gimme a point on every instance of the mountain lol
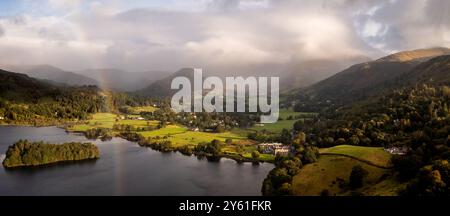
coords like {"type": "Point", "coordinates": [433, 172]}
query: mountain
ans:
{"type": "Point", "coordinates": [52, 74]}
{"type": "Point", "coordinates": [436, 70]}
{"type": "Point", "coordinates": [370, 78]}
{"type": "Point", "coordinates": [161, 88]}
{"type": "Point", "coordinates": [20, 87]}
{"type": "Point", "coordinates": [416, 55]}
{"type": "Point", "coordinates": [307, 73]}
{"type": "Point", "coordinates": [29, 101]}
{"type": "Point", "coordinates": [120, 80]}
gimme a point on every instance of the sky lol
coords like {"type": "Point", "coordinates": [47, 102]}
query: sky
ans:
{"type": "Point", "coordinates": [217, 34]}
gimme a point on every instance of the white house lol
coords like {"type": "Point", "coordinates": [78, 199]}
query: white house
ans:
{"type": "Point", "coordinates": [195, 129]}
{"type": "Point", "coordinates": [397, 150]}
{"type": "Point", "coordinates": [274, 148]}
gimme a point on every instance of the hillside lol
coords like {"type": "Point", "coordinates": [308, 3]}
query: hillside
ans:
{"type": "Point", "coordinates": [20, 87]}
{"type": "Point", "coordinates": [53, 75]}
{"type": "Point", "coordinates": [161, 88]}
{"type": "Point", "coordinates": [26, 100]}
{"type": "Point", "coordinates": [416, 55]}
{"type": "Point", "coordinates": [331, 174]}
{"type": "Point", "coordinates": [119, 80]}
{"type": "Point", "coordinates": [435, 71]}
{"type": "Point", "coordinates": [373, 78]}
{"type": "Point", "coordinates": [306, 73]}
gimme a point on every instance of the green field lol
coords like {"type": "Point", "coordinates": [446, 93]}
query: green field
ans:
{"type": "Point", "coordinates": [108, 120]}
{"type": "Point", "coordinates": [281, 124]}
{"type": "Point", "coordinates": [375, 155]}
{"type": "Point", "coordinates": [275, 127]}
{"type": "Point", "coordinates": [138, 123]}
{"type": "Point", "coordinates": [99, 120]}
{"type": "Point", "coordinates": [324, 174]}
{"type": "Point", "coordinates": [180, 136]}
{"type": "Point", "coordinates": [138, 110]}
{"type": "Point", "coordinates": [314, 178]}
{"type": "Point", "coordinates": [167, 131]}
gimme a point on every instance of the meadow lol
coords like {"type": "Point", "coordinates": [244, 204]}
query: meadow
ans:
{"type": "Point", "coordinates": [138, 110]}
{"type": "Point", "coordinates": [374, 155]}
{"type": "Point", "coordinates": [286, 120]}
{"type": "Point", "coordinates": [108, 120]}
{"type": "Point", "coordinates": [331, 173]}
{"type": "Point", "coordinates": [178, 135]}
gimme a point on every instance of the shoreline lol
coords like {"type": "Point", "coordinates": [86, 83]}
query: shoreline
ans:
{"type": "Point", "coordinates": [236, 158]}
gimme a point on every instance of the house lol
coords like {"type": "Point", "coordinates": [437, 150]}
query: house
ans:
{"type": "Point", "coordinates": [140, 118]}
{"type": "Point", "coordinates": [274, 148]}
{"type": "Point", "coordinates": [397, 150]}
{"type": "Point", "coordinates": [195, 129]}
{"type": "Point", "coordinates": [284, 151]}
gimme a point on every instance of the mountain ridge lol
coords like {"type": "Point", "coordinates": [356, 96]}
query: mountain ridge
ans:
{"type": "Point", "coordinates": [120, 80]}
{"type": "Point", "coordinates": [52, 74]}
{"type": "Point", "coordinates": [367, 79]}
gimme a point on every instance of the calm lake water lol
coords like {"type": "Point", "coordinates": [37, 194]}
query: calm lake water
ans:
{"type": "Point", "coordinates": [125, 168]}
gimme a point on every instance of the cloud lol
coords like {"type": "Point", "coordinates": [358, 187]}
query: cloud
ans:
{"type": "Point", "coordinates": [2, 31]}
{"type": "Point", "coordinates": [65, 4]}
{"type": "Point", "coordinates": [218, 34]}
{"type": "Point", "coordinates": [399, 25]}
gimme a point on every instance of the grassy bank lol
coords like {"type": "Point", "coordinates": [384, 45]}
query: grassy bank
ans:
{"type": "Point", "coordinates": [331, 173]}
{"type": "Point", "coordinates": [374, 155]}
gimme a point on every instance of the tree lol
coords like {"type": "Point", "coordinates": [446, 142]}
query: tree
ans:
{"type": "Point", "coordinates": [255, 155]}
{"type": "Point", "coordinates": [298, 125]}
{"type": "Point", "coordinates": [280, 176]}
{"type": "Point", "coordinates": [340, 141]}
{"type": "Point", "coordinates": [293, 166]}
{"type": "Point", "coordinates": [285, 136]}
{"type": "Point", "coordinates": [299, 140]}
{"type": "Point", "coordinates": [354, 140]}
{"type": "Point", "coordinates": [220, 129]}
{"type": "Point", "coordinates": [310, 155]}
{"type": "Point", "coordinates": [357, 176]}
{"type": "Point", "coordinates": [407, 166]}
{"type": "Point", "coordinates": [285, 189]}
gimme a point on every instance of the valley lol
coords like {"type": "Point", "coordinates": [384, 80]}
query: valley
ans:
{"type": "Point", "coordinates": [376, 128]}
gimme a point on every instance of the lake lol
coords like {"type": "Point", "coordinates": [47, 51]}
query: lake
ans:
{"type": "Point", "coordinates": [125, 168]}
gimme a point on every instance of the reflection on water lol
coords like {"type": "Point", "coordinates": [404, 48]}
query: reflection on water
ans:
{"type": "Point", "coordinates": [124, 168]}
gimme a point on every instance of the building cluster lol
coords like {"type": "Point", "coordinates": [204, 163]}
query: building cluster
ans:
{"type": "Point", "coordinates": [397, 150]}
{"type": "Point", "coordinates": [274, 148]}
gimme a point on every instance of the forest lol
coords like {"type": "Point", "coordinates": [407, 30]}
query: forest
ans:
{"type": "Point", "coordinates": [24, 153]}
{"type": "Point", "coordinates": [414, 118]}
{"type": "Point", "coordinates": [28, 101]}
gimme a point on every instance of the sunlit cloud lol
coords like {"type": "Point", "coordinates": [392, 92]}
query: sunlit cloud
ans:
{"type": "Point", "coordinates": [167, 35]}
